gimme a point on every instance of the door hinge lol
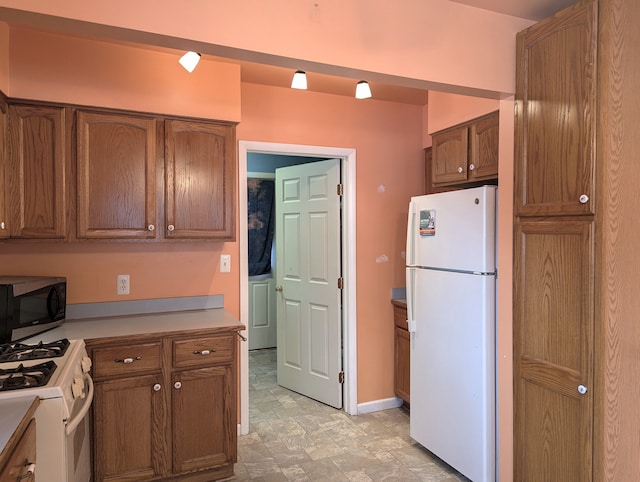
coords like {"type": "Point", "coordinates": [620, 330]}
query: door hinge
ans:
{"type": "Point", "coordinates": [341, 377]}
{"type": "Point", "coordinates": [340, 283]}
{"type": "Point", "coordinates": [340, 190]}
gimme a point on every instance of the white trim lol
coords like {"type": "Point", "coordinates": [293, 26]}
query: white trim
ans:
{"type": "Point", "coordinates": [348, 156]}
{"type": "Point", "coordinates": [261, 175]}
{"type": "Point", "coordinates": [377, 405]}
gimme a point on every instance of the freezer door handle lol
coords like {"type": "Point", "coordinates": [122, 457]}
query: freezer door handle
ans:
{"type": "Point", "coordinates": [411, 225]}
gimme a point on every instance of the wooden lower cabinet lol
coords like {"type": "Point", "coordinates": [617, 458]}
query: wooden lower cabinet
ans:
{"type": "Point", "coordinates": [402, 352]}
{"type": "Point", "coordinates": [553, 348]}
{"type": "Point", "coordinates": [201, 411]}
{"type": "Point", "coordinates": [16, 467]}
{"type": "Point", "coordinates": [129, 422]}
{"type": "Point", "coordinates": [165, 407]}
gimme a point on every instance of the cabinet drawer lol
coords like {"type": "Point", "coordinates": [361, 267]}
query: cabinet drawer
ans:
{"type": "Point", "coordinates": [127, 359]}
{"type": "Point", "coordinates": [203, 351]}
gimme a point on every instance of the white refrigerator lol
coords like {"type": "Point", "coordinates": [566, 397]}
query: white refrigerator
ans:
{"type": "Point", "coordinates": [451, 300]}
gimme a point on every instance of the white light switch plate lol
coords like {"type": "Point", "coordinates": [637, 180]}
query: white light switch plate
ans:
{"type": "Point", "coordinates": [225, 263]}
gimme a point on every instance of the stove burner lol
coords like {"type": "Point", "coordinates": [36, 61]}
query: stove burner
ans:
{"type": "Point", "coordinates": [26, 377]}
{"type": "Point", "coordinates": [20, 351]}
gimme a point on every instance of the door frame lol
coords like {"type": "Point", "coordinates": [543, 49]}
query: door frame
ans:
{"type": "Point", "coordinates": [348, 237]}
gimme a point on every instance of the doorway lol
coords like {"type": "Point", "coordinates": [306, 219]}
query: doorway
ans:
{"type": "Point", "coordinates": [348, 159]}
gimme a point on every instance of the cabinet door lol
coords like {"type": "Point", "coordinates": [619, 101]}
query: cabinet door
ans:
{"type": "Point", "coordinates": [449, 150]}
{"type": "Point", "coordinates": [204, 418]}
{"type": "Point", "coordinates": [402, 364]}
{"type": "Point", "coordinates": [556, 114]}
{"type": "Point", "coordinates": [4, 187]}
{"type": "Point", "coordinates": [483, 161]}
{"type": "Point", "coordinates": [129, 429]}
{"type": "Point", "coordinates": [553, 349]}
{"type": "Point", "coordinates": [37, 166]}
{"type": "Point", "coordinates": [22, 456]}
{"type": "Point", "coordinates": [200, 180]}
{"type": "Point", "coordinates": [116, 160]}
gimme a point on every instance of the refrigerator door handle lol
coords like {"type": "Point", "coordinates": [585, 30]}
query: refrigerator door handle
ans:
{"type": "Point", "coordinates": [411, 272]}
{"type": "Point", "coordinates": [411, 283]}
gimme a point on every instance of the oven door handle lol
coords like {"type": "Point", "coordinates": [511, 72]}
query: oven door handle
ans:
{"type": "Point", "coordinates": [73, 423]}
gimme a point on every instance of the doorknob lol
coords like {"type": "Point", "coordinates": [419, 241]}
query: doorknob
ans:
{"type": "Point", "coordinates": [279, 289]}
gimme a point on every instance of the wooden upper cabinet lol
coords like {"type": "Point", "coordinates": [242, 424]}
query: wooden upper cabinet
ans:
{"type": "Point", "coordinates": [483, 150]}
{"type": "Point", "coordinates": [4, 211]}
{"type": "Point", "coordinates": [467, 152]}
{"type": "Point", "coordinates": [200, 180]}
{"type": "Point", "coordinates": [36, 171]}
{"type": "Point", "coordinates": [556, 115]}
{"type": "Point", "coordinates": [449, 151]}
{"type": "Point", "coordinates": [116, 163]}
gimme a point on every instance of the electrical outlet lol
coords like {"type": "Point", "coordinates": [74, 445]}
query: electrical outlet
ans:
{"type": "Point", "coordinates": [225, 263]}
{"type": "Point", "coordinates": [123, 284]}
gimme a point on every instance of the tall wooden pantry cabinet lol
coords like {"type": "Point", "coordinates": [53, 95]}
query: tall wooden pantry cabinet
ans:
{"type": "Point", "coordinates": [576, 335]}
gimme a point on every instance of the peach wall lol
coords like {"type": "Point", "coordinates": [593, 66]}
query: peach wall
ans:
{"type": "Point", "coordinates": [123, 77]}
{"type": "Point", "coordinates": [504, 328]}
{"type": "Point", "coordinates": [438, 42]}
{"type": "Point", "coordinates": [111, 75]}
{"type": "Point", "coordinates": [446, 110]}
{"type": "Point", "coordinates": [156, 270]}
{"type": "Point", "coordinates": [387, 139]}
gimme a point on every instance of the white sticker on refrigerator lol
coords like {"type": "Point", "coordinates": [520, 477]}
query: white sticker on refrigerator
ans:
{"type": "Point", "coordinates": [428, 222]}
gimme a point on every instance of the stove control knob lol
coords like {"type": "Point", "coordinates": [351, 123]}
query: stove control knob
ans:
{"type": "Point", "coordinates": [77, 388]}
{"type": "Point", "coordinates": [86, 364]}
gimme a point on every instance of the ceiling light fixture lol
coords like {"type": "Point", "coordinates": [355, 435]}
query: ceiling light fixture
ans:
{"type": "Point", "coordinates": [299, 80]}
{"type": "Point", "coordinates": [362, 90]}
{"type": "Point", "coordinates": [190, 60]}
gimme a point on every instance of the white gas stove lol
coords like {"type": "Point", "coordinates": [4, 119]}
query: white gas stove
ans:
{"type": "Point", "coordinates": [58, 373]}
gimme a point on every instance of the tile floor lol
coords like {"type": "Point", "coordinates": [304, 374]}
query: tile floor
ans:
{"type": "Point", "coordinates": [294, 438]}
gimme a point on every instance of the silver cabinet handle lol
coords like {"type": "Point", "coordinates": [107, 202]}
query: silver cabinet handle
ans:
{"type": "Point", "coordinates": [151, 227]}
{"type": "Point", "coordinates": [157, 387]}
{"type": "Point", "coordinates": [584, 199]}
{"type": "Point", "coordinates": [128, 360]}
{"type": "Point", "coordinates": [177, 385]}
{"type": "Point", "coordinates": [460, 170]}
{"type": "Point", "coordinates": [203, 352]}
{"type": "Point", "coordinates": [171, 227]}
{"type": "Point", "coordinates": [472, 167]}
{"type": "Point", "coordinates": [582, 389]}
{"type": "Point", "coordinates": [279, 289]}
{"type": "Point", "coordinates": [3, 225]}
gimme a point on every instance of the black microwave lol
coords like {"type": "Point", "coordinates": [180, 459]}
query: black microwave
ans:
{"type": "Point", "coordinates": [30, 305]}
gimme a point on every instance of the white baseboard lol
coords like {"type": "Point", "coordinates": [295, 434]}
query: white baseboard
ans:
{"type": "Point", "coordinates": [367, 407]}
{"type": "Point", "coordinates": [378, 405]}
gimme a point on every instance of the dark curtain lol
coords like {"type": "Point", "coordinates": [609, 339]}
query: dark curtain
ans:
{"type": "Point", "coordinates": [260, 208]}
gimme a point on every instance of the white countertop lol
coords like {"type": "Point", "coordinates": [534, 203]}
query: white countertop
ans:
{"type": "Point", "coordinates": [127, 325]}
